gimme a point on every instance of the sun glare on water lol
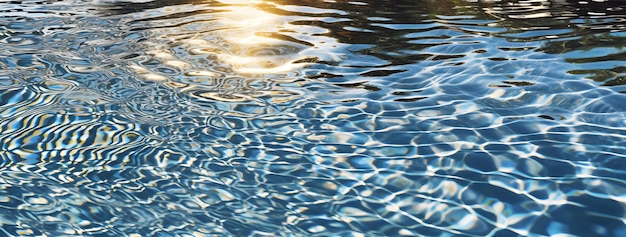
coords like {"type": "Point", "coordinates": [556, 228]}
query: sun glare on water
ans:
{"type": "Point", "coordinates": [239, 35]}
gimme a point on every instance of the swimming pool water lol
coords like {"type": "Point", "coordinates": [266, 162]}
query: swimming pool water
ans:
{"type": "Point", "coordinates": [312, 118]}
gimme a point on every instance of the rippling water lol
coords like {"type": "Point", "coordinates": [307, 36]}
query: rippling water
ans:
{"type": "Point", "coordinates": [312, 118]}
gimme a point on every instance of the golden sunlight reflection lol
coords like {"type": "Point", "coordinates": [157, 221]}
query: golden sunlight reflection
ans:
{"type": "Point", "coordinates": [252, 52]}
{"type": "Point", "coordinates": [241, 37]}
{"type": "Point", "coordinates": [231, 52]}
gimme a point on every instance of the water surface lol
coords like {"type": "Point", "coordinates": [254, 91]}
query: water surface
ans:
{"type": "Point", "coordinates": [312, 118]}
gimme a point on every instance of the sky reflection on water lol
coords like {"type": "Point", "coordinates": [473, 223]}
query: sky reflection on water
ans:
{"type": "Point", "coordinates": [312, 118]}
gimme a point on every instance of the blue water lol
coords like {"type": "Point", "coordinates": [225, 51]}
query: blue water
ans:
{"type": "Point", "coordinates": [312, 118]}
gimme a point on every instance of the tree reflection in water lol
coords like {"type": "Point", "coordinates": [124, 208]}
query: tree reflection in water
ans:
{"type": "Point", "coordinates": [251, 32]}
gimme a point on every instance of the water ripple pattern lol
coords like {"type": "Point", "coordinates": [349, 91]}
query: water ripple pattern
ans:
{"type": "Point", "coordinates": [312, 118]}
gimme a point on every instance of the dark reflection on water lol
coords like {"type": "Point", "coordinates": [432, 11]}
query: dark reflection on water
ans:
{"type": "Point", "coordinates": [312, 118]}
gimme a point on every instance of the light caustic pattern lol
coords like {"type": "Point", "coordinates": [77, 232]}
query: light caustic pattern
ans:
{"type": "Point", "coordinates": [312, 118]}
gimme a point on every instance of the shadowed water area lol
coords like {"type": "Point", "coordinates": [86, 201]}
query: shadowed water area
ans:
{"type": "Point", "coordinates": [312, 118]}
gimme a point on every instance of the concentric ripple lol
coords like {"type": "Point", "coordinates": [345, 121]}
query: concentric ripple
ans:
{"type": "Point", "coordinates": [312, 118]}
